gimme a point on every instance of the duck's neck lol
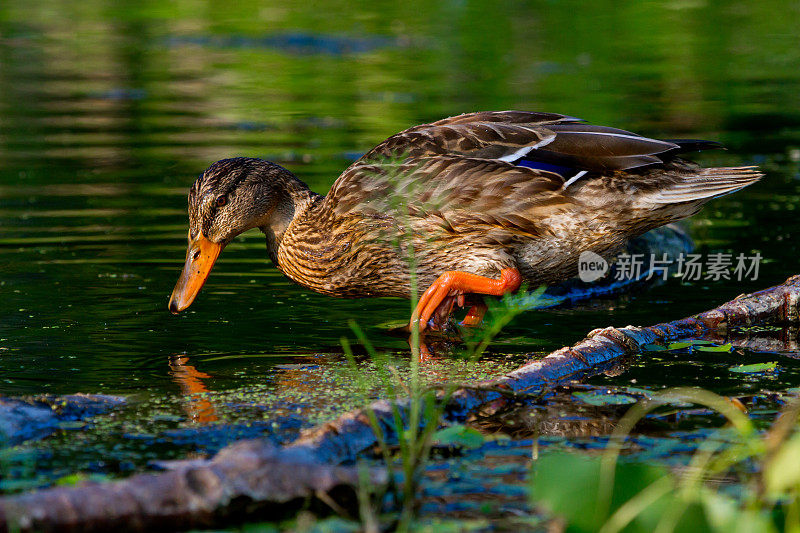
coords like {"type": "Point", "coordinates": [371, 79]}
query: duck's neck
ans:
{"type": "Point", "coordinates": [296, 198]}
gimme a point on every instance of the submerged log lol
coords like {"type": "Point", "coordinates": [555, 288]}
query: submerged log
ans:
{"type": "Point", "coordinates": [36, 417]}
{"type": "Point", "coordinates": [253, 479]}
{"type": "Point", "coordinates": [248, 480]}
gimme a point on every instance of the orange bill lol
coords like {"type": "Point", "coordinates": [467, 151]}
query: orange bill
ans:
{"type": "Point", "coordinates": [200, 258]}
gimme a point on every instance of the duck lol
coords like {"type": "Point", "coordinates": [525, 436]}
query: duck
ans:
{"type": "Point", "coordinates": [456, 210]}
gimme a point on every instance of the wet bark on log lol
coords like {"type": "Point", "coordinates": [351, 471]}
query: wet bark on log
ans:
{"type": "Point", "coordinates": [253, 478]}
{"type": "Point", "coordinates": [776, 305]}
{"type": "Point", "coordinates": [342, 439]}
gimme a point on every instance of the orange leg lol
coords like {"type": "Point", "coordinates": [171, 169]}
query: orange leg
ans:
{"type": "Point", "coordinates": [474, 315]}
{"type": "Point", "coordinates": [454, 283]}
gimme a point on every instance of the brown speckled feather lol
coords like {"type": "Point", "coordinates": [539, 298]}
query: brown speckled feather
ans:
{"type": "Point", "coordinates": [460, 194]}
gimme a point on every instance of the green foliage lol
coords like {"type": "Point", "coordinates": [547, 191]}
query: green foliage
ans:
{"type": "Point", "coordinates": [601, 398]}
{"type": "Point", "coordinates": [569, 486]}
{"type": "Point", "coordinates": [653, 348]}
{"type": "Point", "coordinates": [644, 498]}
{"type": "Point", "coordinates": [451, 526]}
{"type": "Point", "coordinates": [784, 472]}
{"type": "Point", "coordinates": [606, 494]}
{"type": "Point", "coordinates": [78, 478]}
{"type": "Point", "coordinates": [693, 344]}
{"type": "Point", "coordinates": [754, 368]}
{"type": "Point", "coordinates": [722, 348]}
{"type": "Point", "coordinates": [679, 345]}
{"type": "Point", "coordinates": [459, 436]}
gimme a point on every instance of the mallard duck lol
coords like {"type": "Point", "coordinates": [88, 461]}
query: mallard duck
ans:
{"type": "Point", "coordinates": [477, 204]}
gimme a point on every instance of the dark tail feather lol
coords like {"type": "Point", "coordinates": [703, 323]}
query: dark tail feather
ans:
{"type": "Point", "coordinates": [693, 145]}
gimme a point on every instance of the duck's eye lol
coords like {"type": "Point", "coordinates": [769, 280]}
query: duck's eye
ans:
{"type": "Point", "coordinates": [221, 200]}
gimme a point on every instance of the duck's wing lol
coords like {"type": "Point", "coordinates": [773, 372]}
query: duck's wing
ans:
{"type": "Point", "coordinates": [541, 141]}
{"type": "Point", "coordinates": [507, 168]}
{"type": "Point", "coordinates": [453, 193]}
{"type": "Point", "coordinates": [514, 136]}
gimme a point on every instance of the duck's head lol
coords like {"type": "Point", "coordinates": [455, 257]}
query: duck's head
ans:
{"type": "Point", "coordinates": [229, 198]}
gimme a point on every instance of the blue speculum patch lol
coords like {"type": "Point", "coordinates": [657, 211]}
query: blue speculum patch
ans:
{"type": "Point", "coordinates": [558, 169]}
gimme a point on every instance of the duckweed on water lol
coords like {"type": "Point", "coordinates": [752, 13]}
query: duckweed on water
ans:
{"type": "Point", "coordinates": [276, 406]}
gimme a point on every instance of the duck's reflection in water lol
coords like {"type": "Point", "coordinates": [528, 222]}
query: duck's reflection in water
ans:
{"type": "Point", "coordinates": [197, 405]}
